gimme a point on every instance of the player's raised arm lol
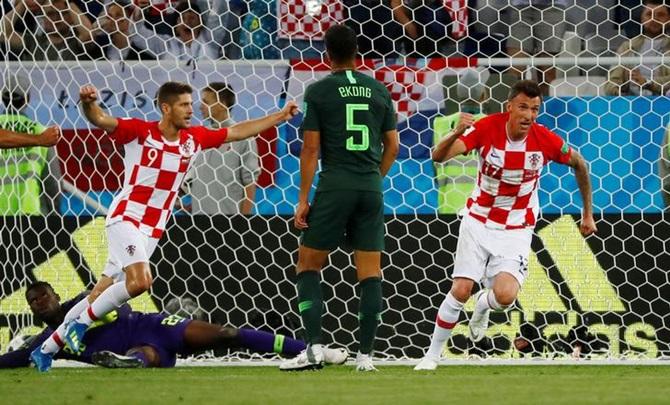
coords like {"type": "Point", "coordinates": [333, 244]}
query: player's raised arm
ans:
{"type": "Point", "coordinates": [10, 139]}
{"type": "Point", "coordinates": [251, 128]}
{"type": "Point", "coordinates": [577, 162]}
{"type": "Point", "coordinates": [92, 111]}
{"type": "Point", "coordinates": [451, 145]}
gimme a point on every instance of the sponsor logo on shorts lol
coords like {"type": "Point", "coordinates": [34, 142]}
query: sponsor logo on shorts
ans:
{"type": "Point", "coordinates": [131, 249]}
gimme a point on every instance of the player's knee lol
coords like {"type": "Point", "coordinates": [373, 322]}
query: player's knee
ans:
{"type": "Point", "coordinates": [307, 264]}
{"type": "Point", "coordinates": [505, 296]}
{"type": "Point", "coordinates": [461, 291]}
{"type": "Point", "coordinates": [311, 259]}
{"type": "Point", "coordinates": [505, 289]}
{"type": "Point", "coordinates": [138, 285]}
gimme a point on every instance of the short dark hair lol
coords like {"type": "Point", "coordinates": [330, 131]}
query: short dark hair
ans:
{"type": "Point", "coordinates": [37, 284]}
{"type": "Point", "coordinates": [224, 93]}
{"type": "Point", "coordinates": [527, 87]}
{"type": "Point", "coordinates": [170, 91]}
{"type": "Point", "coordinates": [341, 43]}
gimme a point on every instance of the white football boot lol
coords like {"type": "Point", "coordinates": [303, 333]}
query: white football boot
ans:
{"type": "Point", "coordinates": [335, 356]}
{"type": "Point", "coordinates": [426, 364]}
{"type": "Point", "coordinates": [364, 362]}
{"type": "Point", "coordinates": [311, 358]}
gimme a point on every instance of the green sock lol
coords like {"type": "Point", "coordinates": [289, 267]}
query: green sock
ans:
{"type": "Point", "coordinates": [310, 304]}
{"type": "Point", "coordinates": [369, 314]}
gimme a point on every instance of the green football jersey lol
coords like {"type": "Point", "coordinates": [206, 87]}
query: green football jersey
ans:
{"type": "Point", "coordinates": [351, 111]}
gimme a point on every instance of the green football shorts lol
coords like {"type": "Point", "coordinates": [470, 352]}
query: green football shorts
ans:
{"type": "Point", "coordinates": [350, 216]}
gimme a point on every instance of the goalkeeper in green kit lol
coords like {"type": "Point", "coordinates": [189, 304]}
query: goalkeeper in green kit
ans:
{"type": "Point", "coordinates": [349, 118]}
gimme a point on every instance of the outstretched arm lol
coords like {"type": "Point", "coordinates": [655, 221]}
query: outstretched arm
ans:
{"type": "Point", "coordinates": [92, 111]}
{"type": "Point", "coordinates": [251, 128]}
{"type": "Point", "coordinates": [451, 146]}
{"type": "Point", "coordinates": [9, 139]}
{"type": "Point", "coordinates": [577, 162]}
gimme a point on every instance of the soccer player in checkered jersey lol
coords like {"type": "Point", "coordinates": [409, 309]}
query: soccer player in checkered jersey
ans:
{"type": "Point", "coordinates": [157, 157]}
{"type": "Point", "coordinates": [496, 231]}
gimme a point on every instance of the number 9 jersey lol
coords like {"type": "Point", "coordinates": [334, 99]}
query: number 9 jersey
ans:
{"type": "Point", "coordinates": [351, 111]}
{"type": "Point", "coordinates": [154, 169]}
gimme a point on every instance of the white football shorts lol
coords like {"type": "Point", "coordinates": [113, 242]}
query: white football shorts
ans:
{"type": "Point", "coordinates": [483, 252]}
{"type": "Point", "coordinates": [127, 245]}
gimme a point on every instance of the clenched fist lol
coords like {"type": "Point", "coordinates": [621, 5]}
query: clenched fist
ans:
{"type": "Point", "coordinates": [50, 136]}
{"type": "Point", "coordinates": [88, 94]}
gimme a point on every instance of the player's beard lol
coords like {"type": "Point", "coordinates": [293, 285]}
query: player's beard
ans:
{"type": "Point", "coordinates": [183, 123]}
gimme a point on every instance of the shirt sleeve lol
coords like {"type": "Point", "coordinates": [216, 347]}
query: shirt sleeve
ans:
{"type": "Point", "coordinates": [310, 118]}
{"type": "Point", "coordinates": [390, 117]}
{"type": "Point", "coordinates": [127, 130]}
{"type": "Point", "coordinates": [557, 149]}
{"type": "Point", "coordinates": [210, 138]}
{"type": "Point", "coordinates": [472, 137]}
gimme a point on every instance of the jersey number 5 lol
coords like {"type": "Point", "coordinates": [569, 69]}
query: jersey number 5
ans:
{"type": "Point", "coordinates": [363, 129]}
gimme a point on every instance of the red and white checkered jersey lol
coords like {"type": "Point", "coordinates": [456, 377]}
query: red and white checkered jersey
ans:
{"type": "Point", "coordinates": [505, 196]}
{"type": "Point", "coordinates": [154, 169]}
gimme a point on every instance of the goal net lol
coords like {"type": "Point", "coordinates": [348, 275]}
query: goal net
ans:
{"type": "Point", "coordinates": [606, 296]}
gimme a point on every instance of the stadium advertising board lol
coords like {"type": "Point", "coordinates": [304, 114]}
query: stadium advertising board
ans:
{"type": "Point", "coordinates": [240, 271]}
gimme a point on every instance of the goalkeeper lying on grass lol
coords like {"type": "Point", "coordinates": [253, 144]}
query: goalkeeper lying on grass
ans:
{"type": "Point", "coordinates": [125, 338]}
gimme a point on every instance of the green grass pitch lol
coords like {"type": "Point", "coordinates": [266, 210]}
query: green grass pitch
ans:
{"type": "Point", "coordinates": [341, 385]}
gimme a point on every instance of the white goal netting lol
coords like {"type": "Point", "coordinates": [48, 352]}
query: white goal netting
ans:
{"type": "Point", "coordinates": [607, 296]}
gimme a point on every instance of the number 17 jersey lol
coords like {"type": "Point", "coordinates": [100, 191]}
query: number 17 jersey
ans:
{"type": "Point", "coordinates": [351, 111]}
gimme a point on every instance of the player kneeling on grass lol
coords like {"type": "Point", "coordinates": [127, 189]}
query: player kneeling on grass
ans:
{"type": "Point", "coordinates": [495, 233]}
{"type": "Point", "coordinates": [130, 339]}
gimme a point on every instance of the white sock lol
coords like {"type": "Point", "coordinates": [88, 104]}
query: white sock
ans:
{"type": "Point", "coordinates": [447, 317]}
{"type": "Point", "coordinates": [54, 343]}
{"type": "Point", "coordinates": [112, 298]}
{"type": "Point", "coordinates": [487, 302]}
